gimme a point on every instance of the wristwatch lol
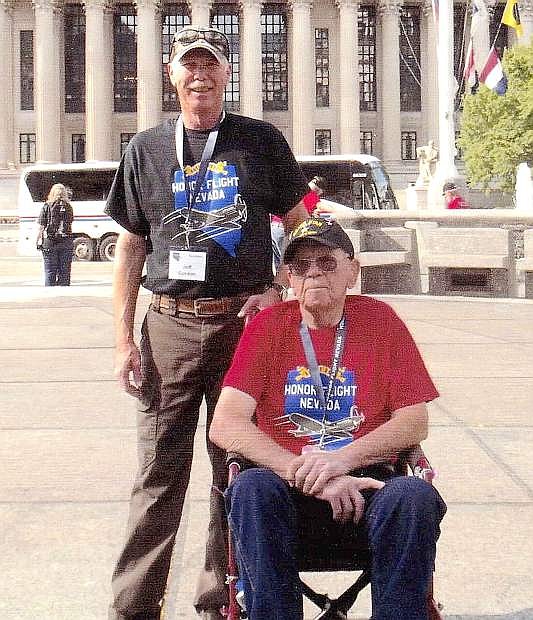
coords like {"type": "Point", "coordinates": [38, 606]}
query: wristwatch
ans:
{"type": "Point", "coordinates": [279, 288]}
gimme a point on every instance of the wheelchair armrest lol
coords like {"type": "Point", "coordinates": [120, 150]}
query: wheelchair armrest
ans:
{"type": "Point", "coordinates": [419, 464]}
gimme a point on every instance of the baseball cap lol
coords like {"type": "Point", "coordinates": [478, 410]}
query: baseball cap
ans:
{"type": "Point", "coordinates": [201, 37]}
{"type": "Point", "coordinates": [448, 187]}
{"type": "Point", "coordinates": [318, 230]}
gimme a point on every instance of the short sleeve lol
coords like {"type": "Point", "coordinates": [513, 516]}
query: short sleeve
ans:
{"type": "Point", "coordinates": [248, 371]}
{"type": "Point", "coordinates": [409, 380]}
{"type": "Point", "coordinates": [290, 184]}
{"type": "Point", "coordinates": [124, 199]}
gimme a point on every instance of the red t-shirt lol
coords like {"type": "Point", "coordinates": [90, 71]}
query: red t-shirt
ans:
{"type": "Point", "coordinates": [381, 370]}
{"type": "Point", "coordinates": [457, 202]}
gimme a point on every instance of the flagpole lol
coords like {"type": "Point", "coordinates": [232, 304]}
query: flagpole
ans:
{"type": "Point", "coordinates": [446, 167]}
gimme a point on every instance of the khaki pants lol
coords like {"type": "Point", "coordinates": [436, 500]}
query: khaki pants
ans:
{"type": "Point", "coordinates": [184, 359]}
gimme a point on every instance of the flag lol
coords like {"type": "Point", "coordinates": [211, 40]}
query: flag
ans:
{"type": "Point", "coordinates": [511, 16]}
{"type": "Point", "coordinates": [470, 74]}
{"type": "Point", "coordinates": [492, 74]}
{"type": "Point", "coordinates": [480, 16]}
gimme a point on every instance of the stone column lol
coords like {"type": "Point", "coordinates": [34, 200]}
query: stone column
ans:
{"type": "Point", "coordinates": [200, 12]}
{"type": "Point", "coordinates": [6, 92]}
{"type": "Point", "coordinates": [99, 80]}
{"type": "Point", "coordinates": [149, 63]}
{"type": "Point", "coordinates": [526, 18]}
{"type": "Point", "coordinates": [303, 100]}
{"type": "Point", "coordinates": [389, 101]}
{"type": "Point", "coordinates": [48, 87]}
{"type": "Point", "coordinates": [251, 75]}
{"type": "Point", "coordinates": [349, 116]}
{"type": "Point", "coordinates": [429, 82]}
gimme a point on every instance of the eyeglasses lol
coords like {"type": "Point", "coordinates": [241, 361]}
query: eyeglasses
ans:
{"type": "Point", "coordinates": [188, 36]}
{"type": "Point", "coordinates": [301, 266]}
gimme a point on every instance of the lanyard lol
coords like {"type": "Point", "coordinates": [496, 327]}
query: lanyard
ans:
{"type": "Point", "coordinates": [208, 151]}
{"type": "Point", "coordinates": [310, 356]}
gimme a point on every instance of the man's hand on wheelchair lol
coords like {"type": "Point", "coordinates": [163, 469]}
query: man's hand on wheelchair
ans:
{"type": "Point", "coordinates": [344, 496]}
{"type": "Point", "coordinates": [313, 469]}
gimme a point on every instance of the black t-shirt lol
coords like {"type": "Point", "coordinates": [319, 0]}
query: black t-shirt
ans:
{"type": "Point", "coordinates": [252, 174]}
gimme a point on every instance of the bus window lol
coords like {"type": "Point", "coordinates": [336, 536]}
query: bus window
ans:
{"type": "Point", "coordinates": [86, 185]}
{"type": "Point", "coordinates": [337, 175]}
{"type": "Point", "coordinates": [382, 183]}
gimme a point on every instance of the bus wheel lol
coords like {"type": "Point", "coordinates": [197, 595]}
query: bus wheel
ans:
{"type": "Point", "coordinates": [83, 249]}
{"type": "Point", "coordinates": [106, 250]}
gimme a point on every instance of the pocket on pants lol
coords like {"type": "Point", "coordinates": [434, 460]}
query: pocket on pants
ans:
{"type": "Point", "coordinates": [147, 418]}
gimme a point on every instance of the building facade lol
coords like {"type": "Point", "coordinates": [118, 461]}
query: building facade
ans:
{"type": "Point", "coordinates": [335, 76]}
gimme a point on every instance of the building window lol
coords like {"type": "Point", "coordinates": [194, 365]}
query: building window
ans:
{"type": "Point", "coordinates": [367, 58]}
{"type": "Point", "coordinates": [125, 54]}
{"type": "Point", "coordinates": [124, 141]}
{"type": "Point", "coordinates": [27, 148]}
{"type": "Point", "coordinates": [274, 55]}
{"type": "Point", "coordinates": [322, 67]}
{"type": "Point", "coordinates": [74, 58]}
{"type": "Point", "coordinates": [322, 141]}
{"type": "Point", "coordinates": [367, 142]}
{"type": "Point", "coordinates": [26, 70]}
{"type": "Point", "coordinates": [226, 18]}
{"type": "Point", "coordinates": [410, 91]}
{"type": "Point", "coordinates": [78, 147]}
{"type": "Point", "coordinates": [409, 145]}
{"type": "Point", "coordinates": [175, 17]}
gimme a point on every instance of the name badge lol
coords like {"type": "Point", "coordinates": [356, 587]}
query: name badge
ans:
{"type": "Point", "coordinates": [187, 265]}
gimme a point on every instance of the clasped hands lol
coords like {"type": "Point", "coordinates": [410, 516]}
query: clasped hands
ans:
{"type": "Point", "coordinates": [324, 475]}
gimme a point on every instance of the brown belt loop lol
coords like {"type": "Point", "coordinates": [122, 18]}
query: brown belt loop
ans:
{"type": "Point", "coordinates": [200, 307]}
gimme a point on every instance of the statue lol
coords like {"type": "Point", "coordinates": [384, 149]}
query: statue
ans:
{"type": "Point", "coordinates": [427, 158]}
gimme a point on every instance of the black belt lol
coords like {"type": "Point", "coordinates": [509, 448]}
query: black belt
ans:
{"type": "Point", "coordinates": [202, 306]}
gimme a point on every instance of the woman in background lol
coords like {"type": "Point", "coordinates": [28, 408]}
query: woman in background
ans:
{"type": "Point", "coordinates": [54, 236]}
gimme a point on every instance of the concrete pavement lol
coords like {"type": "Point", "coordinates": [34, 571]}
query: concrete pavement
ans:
{"type": "Point", "coordinates": [68, 439]}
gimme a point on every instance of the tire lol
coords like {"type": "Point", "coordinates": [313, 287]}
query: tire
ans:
{"type": "Point", "coordinates": [106, 249]}
{"type": "Point", "coordinates": [83, 249]}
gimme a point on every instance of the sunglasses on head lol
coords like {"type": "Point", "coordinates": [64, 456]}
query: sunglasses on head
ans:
{"type": "Point", "coordinates": [217, 39]}
{"type": "Point", "coordinates": [301, 266]}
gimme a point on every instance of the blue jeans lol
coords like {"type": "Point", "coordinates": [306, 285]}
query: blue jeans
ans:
{"type": "Point", "coordinates": [57, 263]}
{"type": "Point", "coordinates": [400, 525]}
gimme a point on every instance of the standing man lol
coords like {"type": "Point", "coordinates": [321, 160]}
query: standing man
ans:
{"type": "Point", "coordinates": [195, 197]}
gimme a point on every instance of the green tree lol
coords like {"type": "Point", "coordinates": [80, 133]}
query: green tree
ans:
{"type": "Point", "coordinates": [497, 131]}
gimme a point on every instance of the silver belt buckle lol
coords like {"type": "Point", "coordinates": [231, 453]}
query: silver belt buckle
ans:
{"type": "Point", "coordinates": [196, 306]}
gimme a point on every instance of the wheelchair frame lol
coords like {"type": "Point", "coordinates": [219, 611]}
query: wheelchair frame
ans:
{"type": "Point", "coordinates": [414, 460]}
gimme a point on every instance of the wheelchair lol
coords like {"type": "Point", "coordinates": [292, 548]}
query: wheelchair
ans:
{"type": "Point", "coordinates": [314, 560]}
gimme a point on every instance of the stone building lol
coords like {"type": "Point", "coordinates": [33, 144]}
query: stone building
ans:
{"type": "Point", "coordinates": [336, 76]}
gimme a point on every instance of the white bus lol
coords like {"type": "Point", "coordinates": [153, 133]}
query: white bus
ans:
{"type": "Point", "coordinates": [356, 181]}
{"type": "Point", "coordinates": [94, 232]}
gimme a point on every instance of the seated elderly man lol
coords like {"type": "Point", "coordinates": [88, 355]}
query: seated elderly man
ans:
{"type": "Point", "coordinates": [322, 393]}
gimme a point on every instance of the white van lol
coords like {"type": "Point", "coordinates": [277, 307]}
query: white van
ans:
{"type": "Point", "coordinates": [94, 232]}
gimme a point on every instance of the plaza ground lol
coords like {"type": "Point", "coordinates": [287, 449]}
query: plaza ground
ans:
{"type": "Point", "coordinates": [68, 444]}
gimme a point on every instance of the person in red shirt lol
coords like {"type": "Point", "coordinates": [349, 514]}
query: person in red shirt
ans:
{"type": "Point", "coordinates": [322, 393]}
{"type": "Point", "coordinates": [452, 198]}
